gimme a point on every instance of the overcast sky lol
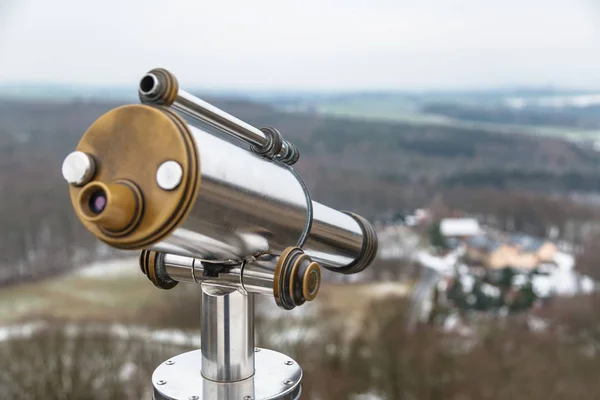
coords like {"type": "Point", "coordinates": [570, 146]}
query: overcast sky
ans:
{"type": "Point", "coordinates": [304, 44]}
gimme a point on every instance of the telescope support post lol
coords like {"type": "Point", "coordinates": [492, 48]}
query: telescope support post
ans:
{"type": "Point", "coordinates": [228, 366]}
{"type": "Point", "coordinates": [227, 334]}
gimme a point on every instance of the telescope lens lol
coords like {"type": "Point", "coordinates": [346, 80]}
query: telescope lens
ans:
{"type": "Point", "coordinates": [98, 201]}
{"type": "Point", "coordinates": [147, 84]}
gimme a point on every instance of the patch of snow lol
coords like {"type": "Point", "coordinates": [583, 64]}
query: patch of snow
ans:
{"type": "Point", "coordinates": [564, 261]}
{"type": "Point", "coordinates": [519, 280]}
{"type": "Point", "coordinates": [561, 280]}
{"type": "Point", "coordinates": [587, 284]}
{"type": "Point", "coordinates": [367, 396]}
{"type": "Point", "coordinates": [166, 336]}
{"type": "Point", "coordinates": [467, 282]}
{"type": "Point", "coordinates": [451, 322]}
{"type": "Point", "coordinates": [542, 286]}
{"type": "Point", "coordinates": [397, 242]}
{"type": "Point", "coordinates": [490, 290]}
{"type": "Point", "coordinates": [411, 220]}
{"type": "Point", "coordinates": [171, 336]}
{"type": "Point", "coordinates": [8, 332]}
{"type": "Point", "coordinates": [546, 268]}
{"type": "Point", "coordinates": [563, 283]}
{"type": "Point", "coordinates": [443, 285]}
{"type": "Point", "coordinates": [537, 324]}
{"type": "Point", "coordinates": [443, 265]}
{"type": "Point", "coordinates": [295, 334]}
{"type": "Point", "coordinates": [127, 371]}
{"type": "Point", "coordinates": [455, 324]}
{"type": "Point", "coordinates": [110, 268]}
{"type": "Point", "coordinates": [463, 269]}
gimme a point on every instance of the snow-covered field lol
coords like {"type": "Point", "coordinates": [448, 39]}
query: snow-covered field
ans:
{"type": "Point", "coordinates": [116, 291]}
{"type": "Point", "coordinates": [110, 269]}
{"type": "Point", "coordinates": [102, 290]}
{"type": "Point", "coordinates": [118, 331]}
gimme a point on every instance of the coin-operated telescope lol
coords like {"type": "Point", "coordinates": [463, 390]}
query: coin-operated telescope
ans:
{"type": "Point", "coordinates": [224, 210]}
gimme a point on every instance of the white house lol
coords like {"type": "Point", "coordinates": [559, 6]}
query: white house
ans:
{"type": "Point", "coordinates": [460, 227]}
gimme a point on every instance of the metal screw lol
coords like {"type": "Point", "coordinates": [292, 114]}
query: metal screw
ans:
{"type": "Point", "coordinates": [161, 382]}
{"type": "Point", "coordinates": [289, 363]}
{"type": "Point", "coordinates": [248, 398]}
{"type": "Point", "coordinates": [256, 349]}
{"type": "Point", "coordinates": [169, 175]}
{"type": "Point", "coordinates": [78, 168]}
{"type": "Point", "coordinates": [194, 398]}
{"type": "Point", "coordinates": [288, 382]}
{"type": "Point", "coordinates": [170, 362]}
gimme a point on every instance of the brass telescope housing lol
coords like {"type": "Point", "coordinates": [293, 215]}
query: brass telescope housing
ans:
{"type": "Point", "coordinates": [150, 177]}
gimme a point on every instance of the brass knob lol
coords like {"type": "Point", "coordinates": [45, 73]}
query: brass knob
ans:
{"type": "Point", "coordinates": [311, 281]}
{"type": "Point", "coordinates": [297, 279]}
{"type": "Point", "coordinates": [152, 265]}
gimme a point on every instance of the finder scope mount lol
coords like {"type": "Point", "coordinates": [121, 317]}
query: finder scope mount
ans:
{"type": "Point", "coordinates": [234, 218]}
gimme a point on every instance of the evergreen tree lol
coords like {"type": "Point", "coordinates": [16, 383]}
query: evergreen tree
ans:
{"type": "Point", "coordinates": [526, 297]}
{"type": "Point", "coordinates": [484, 302]}
{"type": "Point", "coordinates": [506, 278]}
{"type": "Point", "coordinates": [456, 294]}
{"type": "Point", "coordinates": [436, 237]}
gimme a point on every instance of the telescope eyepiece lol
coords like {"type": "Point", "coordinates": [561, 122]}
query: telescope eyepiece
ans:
{"type": "Point", "coordinates": [115, 207]}
{"type": "Point", "coordinates": [97, 202]}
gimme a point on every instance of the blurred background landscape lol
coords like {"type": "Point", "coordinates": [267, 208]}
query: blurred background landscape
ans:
{"type": "Point", "coordinates": [469, 134]}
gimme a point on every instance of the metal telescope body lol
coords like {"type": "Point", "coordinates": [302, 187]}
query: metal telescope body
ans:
{"type": "Point", "coordinates": [235, 218]}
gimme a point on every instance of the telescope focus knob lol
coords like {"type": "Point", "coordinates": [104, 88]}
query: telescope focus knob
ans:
{"type": "Point", "coordinates": [297, 279]}
{"type": "Point", "coordinates": [152, 265]}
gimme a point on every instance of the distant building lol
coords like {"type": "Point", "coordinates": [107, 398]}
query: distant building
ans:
{"type": "Point", "coordinates": [519, 252]}
{"type": "Point", "coordinates": [489, 253]}
{"type": "Point", "coordinates": [543, 250]}
{"type": "Point", "coordinates": [460, 228]}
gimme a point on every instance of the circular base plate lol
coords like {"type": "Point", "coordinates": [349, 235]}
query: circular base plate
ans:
{"type": "Point", "coordinates": [276, 376]}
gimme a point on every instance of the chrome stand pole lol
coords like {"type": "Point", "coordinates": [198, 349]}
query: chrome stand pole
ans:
{"type": "Point", "coordinates": [227, 334]}
{"type": "Point", "coordinates": [228, 366]}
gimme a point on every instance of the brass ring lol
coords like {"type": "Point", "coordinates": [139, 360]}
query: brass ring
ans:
{"type": "Point", "coordinates": [294, 270]}
{"type": "Point", "coordinates": [308, 293]}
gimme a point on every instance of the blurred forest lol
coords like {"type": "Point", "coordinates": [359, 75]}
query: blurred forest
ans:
{"type": "Point", "coordinates": [371, 167]}
{"type": "Point", "coordinates": [507, 359]}
{"type": "Point", "coordinates": [571, 116]}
